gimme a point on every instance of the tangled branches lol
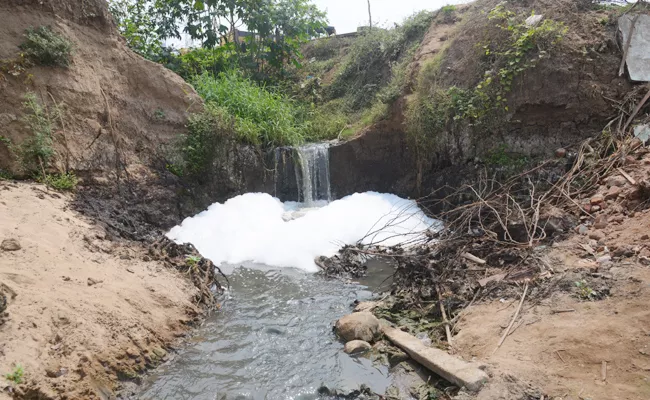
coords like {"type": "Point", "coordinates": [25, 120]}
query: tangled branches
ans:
{"type": "Point", "coordinates": [185, 258]}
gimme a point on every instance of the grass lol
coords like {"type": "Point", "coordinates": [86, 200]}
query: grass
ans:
{"type": "Point", "coordinates": [16, 376]}
{"type": "Point", "coordinates": [66, 181]}
{"type": "Point", "coordinates": [363, 73]}
{"type": "Point", "coordinates": [262, 117]}
{"type": "Point", "coordinates": [43, 46]}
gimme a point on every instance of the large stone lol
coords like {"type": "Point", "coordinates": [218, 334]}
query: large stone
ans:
{"type": "Point", "coordinates": [358, 326]}
{"type": "Point", "coordinates": [455, 370]}
{"type": "Point", "coordinates": [10, 245]}
{"type": "Point", "coordinates": [356, 346]}
{"type": "Point", "coordinates": [616, 180]}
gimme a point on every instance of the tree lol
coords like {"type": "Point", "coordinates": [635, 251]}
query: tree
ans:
{"type": "Point", "coordinates": [136, 21]}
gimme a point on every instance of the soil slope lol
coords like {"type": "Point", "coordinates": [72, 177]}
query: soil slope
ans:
{"type": "Point", "coordinates": [82, 309]}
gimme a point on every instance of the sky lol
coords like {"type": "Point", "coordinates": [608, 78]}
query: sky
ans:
{"type": "Point", "coordinates": [347, 15]}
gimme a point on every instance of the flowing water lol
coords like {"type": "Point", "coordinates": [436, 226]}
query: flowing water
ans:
{"type": "Point", "coordinates": [315, 172]}
{"type": "Point", "coordinates": [273, 337]}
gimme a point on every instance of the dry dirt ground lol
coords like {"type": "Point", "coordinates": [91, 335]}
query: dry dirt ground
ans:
{"type": "Point", "coordinates": [83, 311]}
{"type": "Point", "coordinates": [599, 349]}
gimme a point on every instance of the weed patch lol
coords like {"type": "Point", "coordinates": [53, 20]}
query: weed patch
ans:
{"type": "Point", "coordinates": [63, 181]}
{"type": "Point", "coordinates": [43, 46]}
{"type": "Point", "coordinates": [16, 376]}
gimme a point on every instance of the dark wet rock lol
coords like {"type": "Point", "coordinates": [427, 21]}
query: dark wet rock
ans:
{"type": "Point", "coordinates": [10, 245]}
{"type": "Point", "coordinates": [357, 346]}
{"type": "Point", "coordinates": [358, 326]}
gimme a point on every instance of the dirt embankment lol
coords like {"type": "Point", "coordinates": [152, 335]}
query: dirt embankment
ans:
{"type": "Point", "coordinates": [84, 310]}
{"type": "Point", "coordinates": [564, 98]}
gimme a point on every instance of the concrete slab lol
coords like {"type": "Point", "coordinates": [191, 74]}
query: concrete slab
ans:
{"type": "Point", "coordinates": [638, 56]}
{"type": "Point", "coordinates": [453, 369]}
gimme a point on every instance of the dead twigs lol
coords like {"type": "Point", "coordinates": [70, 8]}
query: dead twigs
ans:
{"type": "Point", "coordinates": [514, 318]}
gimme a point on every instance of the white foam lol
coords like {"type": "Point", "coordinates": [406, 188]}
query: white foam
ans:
{"type": "Point", "coordinates": [257, 227]}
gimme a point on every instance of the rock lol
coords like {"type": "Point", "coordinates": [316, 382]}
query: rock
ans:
{"type": "Point", "coordinates": [92, 282]}
{"type": "Point", "coordinates": [616, 180]}
{"type": "Point", "coordinates": [642, 132]}
{"type": "Point", "coordinates": [597, 235]}
{"type": "Point", "coordinates": [604, 259]}
{"type": "Point", "coordinates": [356, 346]}
{"type": "Point", "coordinates": [10, 245]}
{"type": "Point", "coordinates": [534, 20]}
{"type": "Point", "coordinates": [613, 193]}
{"type": "Point", "coordinates": [586, 264]}
{"type": "Point", "coordinates": [582, 229]}
{"type": "Point", "coordinates": [597, 199]}
{"type": "Point", "coordinates": [132, 352]}
{"type": "Point", "coordinates": [600, 222]}
{"type": "Point", "coordinates": [645, 237]}
{"type": "Point", "coordinates": [560, 153]}
{"type": "Point", "coordinates": [55, 372]}
{"type": "Point", "coordinates": [595, 208]}
{"type": "Point", "coordinates": [455, 370]}
{"type": "Point", "coordinates": [358, 326]}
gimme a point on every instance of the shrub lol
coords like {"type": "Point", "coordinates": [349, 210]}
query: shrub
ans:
{"type": "Point", "coordinates": [63, 181]}
{"type": "Point", "coordinates": [207, 135]}
{"type": "Point", "coordinates": [262, 117]}
{"type": "Point", "coordinates": [36, 152]}
{"type": "Point", "coordinates": [46, 47]}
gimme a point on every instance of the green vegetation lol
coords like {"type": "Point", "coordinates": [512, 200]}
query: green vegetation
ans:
{"type": "Point", "coordinates": [16, 376]}
{"type": "Point", "coordinates": [501, 157]}
{"type": "Point", "coordinates": [436, 108]}
{"type": "Point", "coordinates": [204, 141]}
{"type": "Point", "coordinates": [262, 117]}
{"type": "Point", "coordinates": [137, 24]}
{"type": "Point", "coordinates": [36, 152]}
{"type": "Point", "coordinates": [63, 181]}
{"type": "Point", "coordinates": [46, 47]}
{"type": "Point", "coordinates": [363, 73]}
{"type": "Point", "coordinates": [584, 292]}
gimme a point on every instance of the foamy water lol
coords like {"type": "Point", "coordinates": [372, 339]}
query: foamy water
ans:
{"type": "Point", "coordinates": [258, 227]}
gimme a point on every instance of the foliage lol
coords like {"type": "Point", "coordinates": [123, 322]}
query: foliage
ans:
{"type": "Point", "coordinates": [16, 376]}
{"type": "Point", "coordinates": [197, 61]}
{"type": "Point", "coordinates": [371, 57]}
{"type": "Point", "coordinates": [207, 133]}
{"type": "Point", "coordinates": [436, 109]}
{"type": "Point", "coordinates": [277, 27]}
{"type": "Point", "coordinates": [584, 292]}
{"type": "Point", "coordinates": [261, 117]}
{"type": "Point", "coordinates": [135, 19]}
{"type": "Point", "coordinates": [500, 157]}
{"type": "Point", "coordinates": [62, 181]}
{"type": "Point", "coordinates": [36, 152]}
{"type": "Point", "coordinates": [46, 47]}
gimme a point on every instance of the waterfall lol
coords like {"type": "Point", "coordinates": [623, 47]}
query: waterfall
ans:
{"type": "Point", "coordinates": [314, 168]}
{"type": "Point", "coordinates": [302, 174]}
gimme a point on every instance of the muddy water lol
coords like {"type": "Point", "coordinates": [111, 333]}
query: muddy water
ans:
{"type": "Point", "coordinates": [272, 339]}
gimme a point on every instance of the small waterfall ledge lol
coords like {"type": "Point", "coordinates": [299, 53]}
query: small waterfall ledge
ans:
{"type": "Point", "coordinates": [302, 173]}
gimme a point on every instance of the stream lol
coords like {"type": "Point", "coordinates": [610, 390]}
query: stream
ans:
{"type": "Point", "coordinates": [273, 338]}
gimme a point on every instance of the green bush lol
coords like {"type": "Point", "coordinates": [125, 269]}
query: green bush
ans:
{"type": "Point", "coordinates": [46, 47]}
{"type": "Point", "coordinates": [207, 136]}
{"type": "Point", "coordinates": [64, 181]}
{"type": "Point", "coordinates": [262, 117]}
{"type": "Point", "coordinates": [36, 152]}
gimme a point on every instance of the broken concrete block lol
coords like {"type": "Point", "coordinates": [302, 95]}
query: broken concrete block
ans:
{"type": "Point", "coordinates": [453, 369]}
